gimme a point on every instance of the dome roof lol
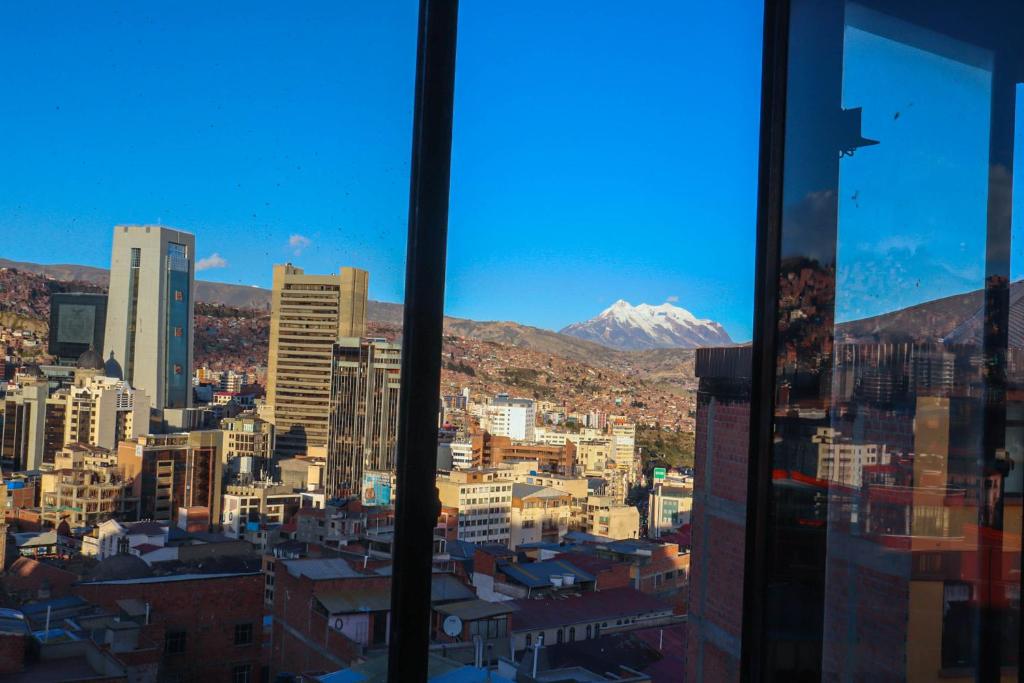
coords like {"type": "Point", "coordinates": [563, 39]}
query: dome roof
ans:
{"type": "Point", "coordinates": [112, 368]}
{"type": "Point", "coordinates": [90, 360]}
{"type": "Point", "coordinates": [121, 566]}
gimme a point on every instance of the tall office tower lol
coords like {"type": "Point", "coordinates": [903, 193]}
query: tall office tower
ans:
{"type": "Point", "coordinates": [149, 311]}
{"type": "Point", "coordinates": [309, 313]}
{"type": "Point", "coordinates": [364, 412]}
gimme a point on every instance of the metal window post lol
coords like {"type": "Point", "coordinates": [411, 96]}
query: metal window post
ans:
{"type": "Point", "coordinates": [417, 505]}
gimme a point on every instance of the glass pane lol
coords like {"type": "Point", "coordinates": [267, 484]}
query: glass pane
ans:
{"type": "Point", "coordinates": [204, 221]}
{"type": "Point", "coordinates": [895, 501]}
{"type": "Point", "coordinates": [591, 454]}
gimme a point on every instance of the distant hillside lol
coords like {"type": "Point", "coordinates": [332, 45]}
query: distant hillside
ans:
{"type": "Point", "coordinates": [930, 320]}
{"type": "Point", "coordinates": [239, 296]}
{"type": "Point", "coordinates": [236, 296]}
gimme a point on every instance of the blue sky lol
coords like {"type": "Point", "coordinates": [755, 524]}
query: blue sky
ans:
{"type": "Point", "coordinates": [601, 151]}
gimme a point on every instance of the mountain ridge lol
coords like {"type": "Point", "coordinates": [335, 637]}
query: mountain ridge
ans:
{"type": "Point", "coordinates": [625, 327]}
{"type": "Point", "coordinates": [382, 312]}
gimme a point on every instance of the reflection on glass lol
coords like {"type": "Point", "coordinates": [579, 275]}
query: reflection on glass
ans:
{"type": "Point", "coordinates": [896, 495]}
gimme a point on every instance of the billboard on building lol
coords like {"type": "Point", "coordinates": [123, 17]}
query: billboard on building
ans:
{"type": "Point", "coordinates": [377, 488]}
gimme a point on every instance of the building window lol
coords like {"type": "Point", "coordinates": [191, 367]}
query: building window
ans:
{"type": "Point", "coordinates": [572, 634]}
{"type": "Point", "coordinates": [179, 295]}
{"type": "Point", "coordinates": [559, 636]}
{"type": "Point", "coordinates": [241, 673]}
{"type": "Point", "coordinates": [177, 331]}
{"type": "Point", "coordinates": [174, 642]}
{"type": "Point", "coordinates": [243, 634]}
{"type": "Point", "coordinates": [529, 639]}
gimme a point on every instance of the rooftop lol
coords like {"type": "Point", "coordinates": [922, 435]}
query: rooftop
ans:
{"type": "Point", "coordinates": [469, 610]}
{"type": "Point", "coordinates": [445, 588]}
{"type": "Point", "coordinates": [373, 599]}
{"type": "Point", "coordinates": [322, 569]}
{"type": "Point", "coordinates": [538, 574]}
{"type": "Point", "coordinates": [534, 491]}
{"type": "Point", "coordinates": [614, 603]}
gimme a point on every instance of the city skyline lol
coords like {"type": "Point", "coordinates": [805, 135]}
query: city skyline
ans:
{"type": "Point", "coordinates": [250, 153]}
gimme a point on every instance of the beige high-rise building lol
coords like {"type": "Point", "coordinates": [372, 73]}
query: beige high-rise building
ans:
{"type": "Point", "coordinates": [309, 313]}
{"type": "Point", "coordinates": [100, 410]}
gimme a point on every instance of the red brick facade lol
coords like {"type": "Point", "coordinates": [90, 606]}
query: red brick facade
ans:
{"type": "Point", "coordinates": [212, 612]}
{"type": "Point", "coordinates": [716, 571]}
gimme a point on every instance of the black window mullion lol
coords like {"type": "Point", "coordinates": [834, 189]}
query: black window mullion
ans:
{"type": "Point", "coordinates": [417, 506]}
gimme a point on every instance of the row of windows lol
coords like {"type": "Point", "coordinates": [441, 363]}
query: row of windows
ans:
{"type": "Point", "coordinates": [484, 521]}
{"type": "Point", "coordinates": [482, 501]}
{"type": "Point", "coordinates": [501, 531]}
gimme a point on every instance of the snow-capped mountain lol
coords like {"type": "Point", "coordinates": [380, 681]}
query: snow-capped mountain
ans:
{"type": "Point", "coordinates": [627, 327]}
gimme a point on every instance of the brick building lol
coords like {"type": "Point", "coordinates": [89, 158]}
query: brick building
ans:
{"type": "Point", "coordinates": [718, 517]}
{"type": "Point", "coordinates": [327, 614]}
{"type": "Point", "coordinates": [210, 625]}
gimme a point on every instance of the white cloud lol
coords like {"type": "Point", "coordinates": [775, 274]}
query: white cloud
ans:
{"type": "Point", "coordinates": [214, 260]}
{"type": "Point", "coordinates": [672, 299]}
{"type": "Point", "coordinates": [298, 243]}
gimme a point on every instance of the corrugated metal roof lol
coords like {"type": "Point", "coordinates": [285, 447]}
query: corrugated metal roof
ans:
{"type": "Point", "coordinates": [445, 588]}
{"type": "Point", "coordinates": [377, 599]}
{"type": "Point", "coordinates": [469, 610]}
{"type": "Point", "coordinates": [538, 574]}
{"type": "Point", "coordinates": [321, 569]}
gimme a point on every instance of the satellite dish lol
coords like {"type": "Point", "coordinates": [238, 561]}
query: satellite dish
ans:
{"type": "Point", "coordinates": [452, 626]}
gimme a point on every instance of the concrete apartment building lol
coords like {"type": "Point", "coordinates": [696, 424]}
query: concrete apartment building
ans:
{"type": "Point", "coordinates": [842, 461]}
{"type": "Point", "coordinates": [593, 454]}
{"type": "Point", "coordinates": [149, 327]}
{"type": "Point", "coordinates": [363, 412]}
{"type": "Point", "coordinates": [539, 514]}
{"type": "Point", "coordinates": [172, 471]}
{"type": "Point", "coordinates": [483, 498]}
{"type": "Point", "coordinates": [512, 417]}
{"type": "Point", "coordinates": [489, 450]}
{"type": "Point", "coordinates": [309, 313]}
{"type": "Point", "coordinates": [248, 445]}
{"type": "Point", "coordinates": [623, 435]}
{"type": "Point", "coordinates": [670, 503]}
{"type": "Point", "coordinates": [85, 488]}
{"type": "Point", "coordinates": [607, 517]}
{"type": "Point", "coordinates": [256, 504]}
{"type": "Point", "coordinates": [102, 410]}
{"type": "Point", "coordinates": [32, 428]}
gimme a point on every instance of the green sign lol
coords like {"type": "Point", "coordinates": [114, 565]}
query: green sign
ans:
{"type": "Point", "coordinates": [659, 472]}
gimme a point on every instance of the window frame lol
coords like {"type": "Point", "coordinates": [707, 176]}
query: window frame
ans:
{"type": "Point", "coordinates": [417, 509]}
